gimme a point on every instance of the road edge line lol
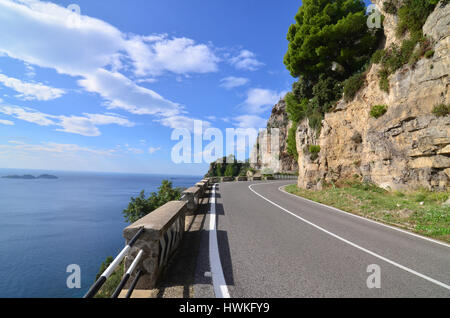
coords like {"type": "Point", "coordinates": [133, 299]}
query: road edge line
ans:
{"type": "Point", "coordinates": [218, 278]}
{"type": "Point", "coordinates": [366, 219]}
{"type": "Point", "coordinates": [409, 270]}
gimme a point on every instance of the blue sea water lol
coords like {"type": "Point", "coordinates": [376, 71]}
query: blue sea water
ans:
{"type": "Point", "coordinates": [46, 225]}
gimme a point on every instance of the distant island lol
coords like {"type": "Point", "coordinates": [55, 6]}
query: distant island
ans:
{"type": "Point", "coordinates": [30, 177]}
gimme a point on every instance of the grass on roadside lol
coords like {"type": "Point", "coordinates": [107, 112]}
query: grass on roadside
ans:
{"type": "Point", "coordinates": [420, 211]}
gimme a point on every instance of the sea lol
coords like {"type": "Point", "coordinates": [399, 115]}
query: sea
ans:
{"type": "Point", "coordinates": [48, 225]}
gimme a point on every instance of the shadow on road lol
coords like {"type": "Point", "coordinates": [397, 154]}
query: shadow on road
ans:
{"type": "Point", "coordinates": [187, 267]}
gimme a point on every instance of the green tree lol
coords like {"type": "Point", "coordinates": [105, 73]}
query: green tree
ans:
{"type": "Point", "coordinates": [229, 171]}
{"type": "Point", "coordinates": [291, 141]}
{"type": "Point", "coordinates": [328, 31]}
{"type": "Point", "coordinates": [141, 206]}
{"type": "Point", "coordinates": [218, 172]}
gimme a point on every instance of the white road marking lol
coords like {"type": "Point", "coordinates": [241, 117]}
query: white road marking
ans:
{"type": "Point", "coordinates": [366, 219]}
{"type": "Point", "coordinates": [220, 286]}
{"type": "Point", "coordinates": [432, 280]}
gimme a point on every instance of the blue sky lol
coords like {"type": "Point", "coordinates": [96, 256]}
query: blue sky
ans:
{"type": "Point", "coordinates": [103, 91]}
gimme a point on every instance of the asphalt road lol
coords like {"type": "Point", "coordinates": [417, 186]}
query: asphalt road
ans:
{"type": "Point", "coordinates": [291, 247]}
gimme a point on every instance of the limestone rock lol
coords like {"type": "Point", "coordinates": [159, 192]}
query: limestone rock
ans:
{"type": "Point", "coordinates": [406, 148]}
{"type": "Point", "coordinates": [263, 159]}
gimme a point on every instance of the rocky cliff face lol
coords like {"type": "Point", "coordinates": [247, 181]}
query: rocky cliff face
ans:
{"type": "Point", "coordinates": [406, 148]}
{"type": "Point", "coordinates": [264, 159]}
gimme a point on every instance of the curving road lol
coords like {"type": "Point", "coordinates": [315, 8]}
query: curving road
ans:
{"type": "Point", "coordinates": [273, 244]}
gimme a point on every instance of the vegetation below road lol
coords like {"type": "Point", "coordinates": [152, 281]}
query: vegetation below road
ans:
{"type": "Point", "coordinates": [420, 211]}
{"type": "Point", "coordinates": [137, 209]}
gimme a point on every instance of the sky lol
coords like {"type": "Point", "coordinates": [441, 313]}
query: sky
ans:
{"type": "Point", "coordinates": [98, 85]}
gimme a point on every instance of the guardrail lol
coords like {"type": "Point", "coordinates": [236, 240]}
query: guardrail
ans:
{"type": "Point", "coordinates": [111, 268]}
{"type": "Point", "coordinates": [214, 180]}
{"type": "Point", "coordinates": [164, 229]}
{"type": "Point", "coordinates": [152, 240]}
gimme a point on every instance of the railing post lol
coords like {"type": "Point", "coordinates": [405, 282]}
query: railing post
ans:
{"type": "Point", "coordinates": [164, 229]}
{"type": "Point", "coordinates": [192, 197]}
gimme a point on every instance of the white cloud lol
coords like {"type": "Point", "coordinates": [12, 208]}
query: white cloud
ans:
{"type": "Point", "coordinates": [260, 100]}
{"type": "Point", "coordinates": [182, 122]}
{"type": "Point", "coordinates": [246, 61]}
{"type": "Point", "coordinates": [176, 55]}
{"type": "Point", "coordinates": [6, 122]}
{"type": "Point", "coordinates": [250, 121]}
{"type": "Point", "coordinates": [123, 93]}
{"type": "Point", "coordinates": [147, 80]}
{"type": "Point", "coordinates": [31, 91]}
{"type": "Point", "coordinates": [28, 114]}
{"type": "Point", "coordinates": [85, 125]}
{"type": "Point", "coordinates": [152, 150]}
{"type": "Point", "coordinates": [41, 34]}
{"type": "Point", "coordinates": [211, 118]}
{"type": "Point", "coordinates": [135, 151]}
{"type": "Point", "coordinates": [232, 82]}
{"type": "Point", "coordinates": [56, 148]}
{"type": "Point", "coordinates": [30, 71]}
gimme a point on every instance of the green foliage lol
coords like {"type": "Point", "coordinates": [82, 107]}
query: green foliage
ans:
{"type": "Point", "coordinates": [141, 206]}
{"type": "Point", "coordinates": [291, 142]}
{"type": "Point", "coordinates": [322, 97]}
{"type": "Point", "coordinates": [431, 218]}
{"type": "Point", "coordinates": [352, 85]}
{"type": "Point", "coordinates": [329, 42]}
{"type": "Point", "coordinates": [297, 109]}
{"type": "Point", "coordinates": [413, 14]}
{"type": "Point", "coordinates": [378, 56]}
{"type": "Point", "coordinates": [328, 31]}
{"type": "Point", "coordinates": [113, 281]}
{"type": "Point", "coordinates": [315, 121]}
{"type": "Point", "coordinates": [390, 6]}
{"type": "Point", "coordinates": [229, 168]}
{"type": "Point", "coordinates": [429, 54]}
{"type": "Point", "coordinates": [441, 110]}
{"type": "Point", "coordinates": [104, 266]}
{"type": "Point", "coordinates": [326, 92]}
{"type": "Point", "coordinates": [394, 58]}
{"type": "Point", "coordinates": [378, 110]}
{"type": "Point", "coordinates": [313, 151]}
{"type": "Point", "coordinates": [384, 80]}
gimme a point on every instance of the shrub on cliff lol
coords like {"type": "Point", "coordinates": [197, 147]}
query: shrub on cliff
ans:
{"type": "Point", "coordinates": [313, 151]}
{"type": "Point", "coordinates": [141, 206]}
{"type": "Point", "coordinates": [291, 142]}
{"type": "Point", "coordinates": [390, 6]}
{"type": "Point", "coordinates": [441, 110]}
{"type": "Point", "coordinates": [352, 85]}
{"type": "Point", "coordinates": [413, 14]}
{"type": "Point", "coordinates": [326, 92]}
{"type": "Point", "coordinates": [378, 110]}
